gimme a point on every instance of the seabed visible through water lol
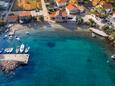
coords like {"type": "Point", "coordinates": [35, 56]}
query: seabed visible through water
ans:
{"type": "Point", "coordinates": [61, 59]}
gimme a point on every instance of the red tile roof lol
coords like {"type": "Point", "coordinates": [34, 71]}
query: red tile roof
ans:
{"type": "Point", "coordinates": [113, 13]}
{"type": "Point", "coordinates": [12, 17]}
{"type": "Point", "coordinates": [64, 13]}
{"type": "Point", "coordinates": [61, 1]}
{"type": "Point", "coordinates": [24, 13]}
{"type": "Point", "coordinates": [71, 6]}
{"type": "Point", "coordinates": [107, 6]}
{"type": "Point", "coordinates": [59, 13]}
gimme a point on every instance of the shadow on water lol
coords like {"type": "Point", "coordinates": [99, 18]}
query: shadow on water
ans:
{"type": "Point", "coordinates": [89, 60]}
{"type": "Point", "coordinates": [51, 44]}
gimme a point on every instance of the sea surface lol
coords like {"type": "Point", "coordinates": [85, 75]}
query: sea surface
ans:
{"type": "Point", "coordinates": [58, 59]}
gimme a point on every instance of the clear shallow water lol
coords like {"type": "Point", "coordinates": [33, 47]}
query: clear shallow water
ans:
{"type": "Point", "coordinates": [62, 61]}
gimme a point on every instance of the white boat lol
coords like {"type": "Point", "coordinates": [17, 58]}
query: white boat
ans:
{"type": "Point", "coordinates": [17, 49]}
{"type": "Point", "coordinates": [27, 49]}
{"type": "Point", "coordinates": [10, 25]}
{"type": "Point", "coordinates": [5, 36]}
{"type": "Point", "coordinates": [93, 35]}
{"type": "Point", "coordinates": [8, 50]}
{"type": "Point", "coordinates": [18, 38]}
{"type": "Point", "coordinates": [27, 33]}
{"type": "Point", "coordinates": [113, 57]}
{"type": "Point", "coordinates": [22, 48]}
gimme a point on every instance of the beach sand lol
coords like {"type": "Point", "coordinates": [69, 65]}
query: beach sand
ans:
{"type": "Point", "coordinates": [36, 27]}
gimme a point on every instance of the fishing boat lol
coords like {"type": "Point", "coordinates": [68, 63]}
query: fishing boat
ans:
{"type": "Point", "coordinates": [27, 50]}
{"type": "Point", "coordinates": [1, 51]}
{"type": "Point", "coordinates": [113, 57]}
{"type": "Point", "coordinates": [22, 48]}
{"type": "Point", "coordinates": [17, 49]}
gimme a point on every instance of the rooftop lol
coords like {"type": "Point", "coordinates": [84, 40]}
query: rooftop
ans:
{"type": "Point", "coordinates": [71, 6]}
{"type": "Point", "coordinates": [24, 13]}
{"type": "Point", "coordinates": [59, 13]}
{"type": "Point", "coordinates": [61, 1]}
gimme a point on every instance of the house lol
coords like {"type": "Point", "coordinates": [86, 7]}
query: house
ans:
{"type": "Point", "coordinates": [12, 19]}
{"type": "Point", "coordinates": [97, 2]}
{"type": "Point", "coordinates": [112, 19]}
{"type": "Point", "coordinates": [61, 3]}
{"type": "Point", "coordinates": [108, 7]}
{"type": "Point", "coordinates": [59, 16]}
{"type": "Point", "coordinates": [72, 9]}
{"type": "Point", "coordinates": [24, 17]}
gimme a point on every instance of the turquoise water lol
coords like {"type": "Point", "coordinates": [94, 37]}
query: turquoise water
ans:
{"type": "Point", "coordinates": [62, 60]}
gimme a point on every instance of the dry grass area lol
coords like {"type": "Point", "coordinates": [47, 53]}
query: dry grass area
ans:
{"type": "Point", "coordinates": [27, 5]}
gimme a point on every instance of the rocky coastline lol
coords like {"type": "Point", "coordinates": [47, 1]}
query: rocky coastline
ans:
{"type": "Point", "coordinates": [8, 66]}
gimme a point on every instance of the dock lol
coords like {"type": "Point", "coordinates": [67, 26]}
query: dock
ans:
{"type": "Point", "coordinates": [23, 58]}
{"type": "Point", "coordinates": [99, 32]}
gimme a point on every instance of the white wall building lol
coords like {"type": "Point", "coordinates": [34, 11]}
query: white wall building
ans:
{"type": "Point", "coordinates": [72, 10]}
{"type": "Point", "coordinates": [61, 3]}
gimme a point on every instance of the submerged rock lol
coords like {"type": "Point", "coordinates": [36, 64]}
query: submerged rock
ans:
{"type": "Point", "coordinates": [89, 60]}
{"type": "Point", "coordinates": [51, 44]}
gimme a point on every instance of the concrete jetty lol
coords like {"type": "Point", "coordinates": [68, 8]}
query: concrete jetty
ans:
{"type": "Point", "coordinates": [99, 32]}
{"type": "Point", "coordinates": [23, 58]}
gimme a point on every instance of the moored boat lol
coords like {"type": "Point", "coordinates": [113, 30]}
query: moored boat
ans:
{"type": "Point", "coordinates": [93, 35]}
{"type": "Point", "coordinates": [17, 49]}
{"type": "Point", "coordinates": [22, 48]}
{"type": "Point", "coordinates": [17, 38]}
{"type": "Point", "coordinates": [8, 50]}
{"type": "Point", "coordinates": [27, 49]}
{"type": "Point", "coordinates": [113, 57]}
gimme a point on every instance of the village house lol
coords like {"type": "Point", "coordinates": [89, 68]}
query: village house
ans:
{"type": "Point", "coordinates": [61, 3]}
{"type": "Point", "coordinates": [12, 19]}
{"type": "Point", "coordinates": [24, 17]}
{"type": "Point", "coordinates": [107, 7]}
{"type": "Point", "coordinates": [59, 16]}
{"type": "Point", "coordinates": [112, 19]}
{"type": "Point", "coordinates": [72, 9]}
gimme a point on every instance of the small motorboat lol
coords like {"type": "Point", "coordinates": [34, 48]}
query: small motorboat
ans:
{"type": "Point", "coordinates": [27, 33]}
{"type": "Point", "coordinates": [113, 57]}
{"type": "Point", "coordinates": [93, 35]}
{"type": "Point", "coordinates": [27, 49]}
{"type": "Point", "coordinates": [17, 38]}
{"type": "Point", "coordinates": [9, 25]}
{"type": "Point", "coordinates": [17, 49]}
{"type": "Point", "coordinates": [10, 37]}
{"type": "Point", "coordinates": [22, 48]}
{"type": "Point", "coordinates": [1, 51]}
{"type": "Point", "coordinates": [8, 50]}
{"type": "Point", "coordinates": [5, 36]}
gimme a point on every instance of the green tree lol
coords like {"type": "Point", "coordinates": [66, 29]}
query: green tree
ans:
{"type": "Point", "coordinates": [41, 18]}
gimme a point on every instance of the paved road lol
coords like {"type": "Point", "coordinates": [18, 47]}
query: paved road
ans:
{"type": "Point", "coordinates": [9, 10]}
{"type": "Point", "coordinates": [45, 11]}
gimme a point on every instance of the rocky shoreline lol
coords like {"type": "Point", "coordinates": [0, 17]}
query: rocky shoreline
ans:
{"type": "Point", "coordinates": [8, 66]}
